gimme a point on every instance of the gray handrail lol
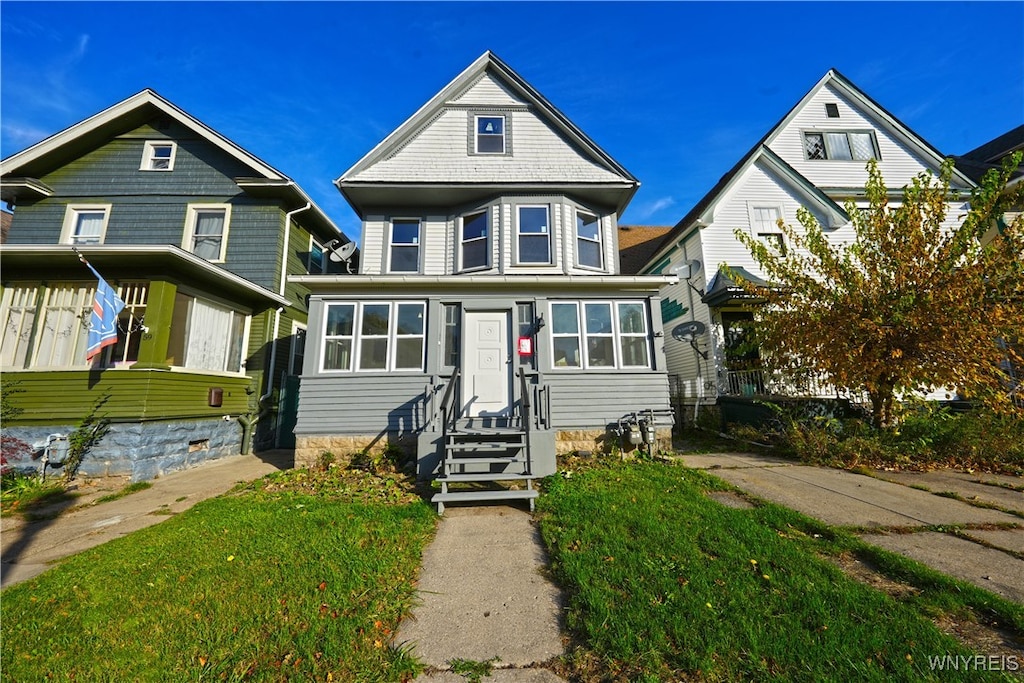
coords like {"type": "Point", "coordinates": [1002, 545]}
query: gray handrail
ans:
{"type": "Point", "coordinates": [526, 417]}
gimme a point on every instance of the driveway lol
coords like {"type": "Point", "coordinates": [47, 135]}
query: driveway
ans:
{"type": "Point", "coordinates": [969, 526]}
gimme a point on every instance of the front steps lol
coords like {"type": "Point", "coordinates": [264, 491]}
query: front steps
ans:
{"type": "Point", "coordinates": [478, 459]}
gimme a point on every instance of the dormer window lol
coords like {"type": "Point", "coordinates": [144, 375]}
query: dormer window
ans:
{"type": "Point", "coordinates": [490, 134]}
{"type": "Point", "coordinates": [158, 155]}
{"type": "Point", "coordinates": [840, 145]}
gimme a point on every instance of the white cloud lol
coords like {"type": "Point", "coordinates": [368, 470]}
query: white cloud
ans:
{"type": "Point", "coordinates": [20, 136]}
{"type": "Point", "coordinates": [648, 209]}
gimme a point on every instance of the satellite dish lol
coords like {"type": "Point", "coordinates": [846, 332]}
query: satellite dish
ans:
{"type": "Point", "coordinates": [341, 253]}
{"type": "Point", "coordinates": [688, 331]}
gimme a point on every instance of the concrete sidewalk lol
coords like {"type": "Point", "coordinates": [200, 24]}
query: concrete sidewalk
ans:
{"type": "Point", "coordinates": [29, 548]}
{"type": "Point", "coordinates": [483, 595]}
{"type": "Point", "coordinates": [894, 511]}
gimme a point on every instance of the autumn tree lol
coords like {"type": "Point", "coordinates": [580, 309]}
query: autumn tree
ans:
{"type": "Point", "coordinates": [910, 304]}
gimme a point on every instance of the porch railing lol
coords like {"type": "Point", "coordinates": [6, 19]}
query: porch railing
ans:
{"type": "Point", "coordinates": [760, 382]}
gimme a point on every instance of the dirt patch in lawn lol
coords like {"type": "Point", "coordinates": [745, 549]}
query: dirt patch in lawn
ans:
{"type": "Point", "coordinates": [982, 638]}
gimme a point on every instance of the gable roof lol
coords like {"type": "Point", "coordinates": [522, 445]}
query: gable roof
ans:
{"type": "Point", "coordinates": [990, 155]}
{"type": "Point", "coordinates": [350, 184]}
{"type": "Point", "coordinates": [21, 170]}
{"type": "Point", "coordinates": [761, 150]}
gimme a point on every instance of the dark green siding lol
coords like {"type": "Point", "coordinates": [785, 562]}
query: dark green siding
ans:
{"type": "Point", "coordinates": [60, 397]}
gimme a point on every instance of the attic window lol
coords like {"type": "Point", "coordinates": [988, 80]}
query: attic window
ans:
{"type": "Point", "coordinates": [832, 110]}
{"type": "Point", "coordinates": [158, 155]}
{"type": "Point", "coordinates": [840, 145]}
{"type": "Point", "coordinates": [490, 134]}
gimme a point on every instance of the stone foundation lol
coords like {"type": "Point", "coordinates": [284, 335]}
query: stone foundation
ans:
{"type": "Point", "coordinates": [308, 449]}
{"type": "Point", "coordinates": [603, 441]}
{"type": "Point", "coordinates": [139, 450]}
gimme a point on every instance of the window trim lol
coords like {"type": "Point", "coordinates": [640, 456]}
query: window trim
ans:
{"type": "Point", "coordinates": [599, 241]}
{"type": "Point", "coordinates": [357, 337]}
{"type": "Point", "coordinates": [392, 244]}
{"type": "Point", "coordinates": [825, 132]}
{"type": "Point", "coordinates": [616, 335]}
{"type": "Point", "coordinates": [462, 268]}
{"type": "Point", "coordinates": [298, 330]}
{"type": "Point", "coordinates": [315, 243]}
{"type": "Point", "coordinates": [71, 214]}
{"type": "Point", "coordinates": [192, 217]}
{"type": "Point", "coordinates": [474, 136]}
{"type": "Point", "coordinates": [148, 155]}
{"type": "Point", "coordinates": [549, 231]}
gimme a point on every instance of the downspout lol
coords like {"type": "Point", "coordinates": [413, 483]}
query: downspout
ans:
{"type": "Point", "coordinates": [261, 408]}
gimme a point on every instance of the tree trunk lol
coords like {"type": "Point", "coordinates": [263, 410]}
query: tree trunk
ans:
{"type": "Point", "coordinates": [881, 405]}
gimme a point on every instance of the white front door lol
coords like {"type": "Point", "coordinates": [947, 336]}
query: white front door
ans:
{"type": "Point", "coordinates": [487, 365]}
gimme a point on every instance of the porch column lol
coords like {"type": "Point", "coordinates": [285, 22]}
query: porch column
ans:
{"type": "Point", "coordinates": [159, 312]}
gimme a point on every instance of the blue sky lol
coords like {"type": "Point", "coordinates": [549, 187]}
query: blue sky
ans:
{"type": "Point", "coordinates": [675, 91]}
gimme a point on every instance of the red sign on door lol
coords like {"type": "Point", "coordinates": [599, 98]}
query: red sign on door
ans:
{"type": "Point", "coordinates": [525, 346]}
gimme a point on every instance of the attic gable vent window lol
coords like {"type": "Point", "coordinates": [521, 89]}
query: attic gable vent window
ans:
{"type": "Point", "coordinates": [158, 156]}
{"type": "Point", "coordinates": [840, 145]}
{"type": "Point", "coordinates": [490, 135]}
{"type": "Point", "coordinates": [832, 110]}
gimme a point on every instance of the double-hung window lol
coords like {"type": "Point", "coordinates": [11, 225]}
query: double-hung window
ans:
{"type": "Point", "coordinates": [206, 230]}
{"type": "Point", "coordinates": [374, 336]}
{"type": "Point", "coordinates": [840, 145]}
{"type": "Point", "coordinates": [490, 135]}
{"type": "Point", "coordinates": [599, 334]}
{"type": "Point", "coordinates": [404, 252]}
{"type": "Point", "coordinates": [588, 240]}
{"type": "Point", "coordinates": [316, 262]}
{"type": "Point", "coordinates": [85, 223]}
{"type": "Point", "coordinates": [474, 250]}
{"type": "Point", "coordinates": [534, 235]}
{"type": "Point", "coordinates": [765, 221]}
{"type": "Point", "coordinates": [158, 155]}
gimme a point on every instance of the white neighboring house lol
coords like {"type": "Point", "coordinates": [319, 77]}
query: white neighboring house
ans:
{"type": "Point", "coordinates": [815, 157]}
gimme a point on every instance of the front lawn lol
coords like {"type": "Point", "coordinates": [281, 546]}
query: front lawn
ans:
{"type": "Point", "coordinates": [664, 583]}
{"type": "Point", "coordinates": [301, 576]}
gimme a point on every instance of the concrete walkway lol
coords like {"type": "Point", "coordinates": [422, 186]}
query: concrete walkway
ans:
{"type": "Point", "coordinates": [27, 549]}
{"type": "Point", "coordinates": [900, 511]}
{"type": "Point", "coordinates": [483, 595]}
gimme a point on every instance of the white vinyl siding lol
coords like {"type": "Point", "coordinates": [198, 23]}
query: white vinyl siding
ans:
{"type": "Point", "coordinates": [439, 152]}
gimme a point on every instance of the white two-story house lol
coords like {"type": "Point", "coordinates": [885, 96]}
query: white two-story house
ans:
{"type": "Point", "coordinates": [488, 316]}
{"type": "Point", "coordinates": [815, 157]}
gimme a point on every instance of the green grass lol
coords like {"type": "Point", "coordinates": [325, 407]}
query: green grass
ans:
{"type": "Point", "coordinates": [26, 494]}
{"type": "Point", "coordinates": [303, 576]}
{"type": "Point", "coordinates": [126, 491]}
{"type": "Point", "coordinates": [665, 584]}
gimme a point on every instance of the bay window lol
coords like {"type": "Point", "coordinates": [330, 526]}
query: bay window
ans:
{"type": "Point", "coordinates": [534, 235]}
{"type": "Point", "coordinates": [588, 240]}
